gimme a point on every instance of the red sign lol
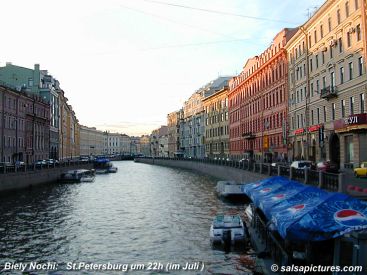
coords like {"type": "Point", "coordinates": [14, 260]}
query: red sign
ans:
{"type": "Point", "coordinates": [299, 131]}
{"type": "Point", "coordinates": [314, 128]}
{"type": "Point", "coordinates": [350, 121]}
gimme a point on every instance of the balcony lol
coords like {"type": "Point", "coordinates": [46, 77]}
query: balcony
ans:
{"type": "Point", "coordinates": [248, 135]}
{"type": "Point", "coordinates": [328, 92]}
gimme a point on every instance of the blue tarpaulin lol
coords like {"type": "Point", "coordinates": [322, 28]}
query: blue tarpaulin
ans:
{"type": "Point", "coordinates": [300, 212]}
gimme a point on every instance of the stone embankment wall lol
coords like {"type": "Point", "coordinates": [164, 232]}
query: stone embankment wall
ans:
{"type": "Point", "coordinates": [22, 179]}
{"type": "Point", "coordinates": [220, 172]}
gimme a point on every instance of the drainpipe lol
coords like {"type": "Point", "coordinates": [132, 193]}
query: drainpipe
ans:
{"type": "Point", "coordinates": [363, 28]}
{"type": "Point", "coordinates": [308, 98]}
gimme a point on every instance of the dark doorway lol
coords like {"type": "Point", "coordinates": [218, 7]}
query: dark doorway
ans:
{"type": "Point", "coordinates": [334, 149]}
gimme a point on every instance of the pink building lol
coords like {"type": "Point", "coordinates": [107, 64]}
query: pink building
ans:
{"type": "Point", "coordinates": [258, 104]}
{"type": "Point", "coordinates": [24, 126]}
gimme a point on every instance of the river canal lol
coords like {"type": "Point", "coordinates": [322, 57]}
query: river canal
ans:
{"type": "Point", "coordinates": [139, 215]}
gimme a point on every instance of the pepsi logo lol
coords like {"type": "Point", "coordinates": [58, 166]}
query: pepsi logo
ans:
{"type": "Point", "coordinates": [278, 197]}
{"type": "Point", "coordinates": [265, 190]}
{"type": "Point", "coordinates": [350, 218]}
{"type": "Point", "coordinates": [296, 208]}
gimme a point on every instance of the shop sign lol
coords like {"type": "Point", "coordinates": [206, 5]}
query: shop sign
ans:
{"type": "Point", "coordinates": [299, 131]}
{"type": "Point", "coordinates": [266, 142]}
{"type": "Point", "coordinates": [314, 128]}
{"type": "Point", "coordinates": [352, 120]}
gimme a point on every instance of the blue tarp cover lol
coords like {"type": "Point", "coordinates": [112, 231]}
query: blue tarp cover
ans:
{"type": "Point", "coordinates": [300, 212]}
{"type": "Point", "coordinates": [102, 160]}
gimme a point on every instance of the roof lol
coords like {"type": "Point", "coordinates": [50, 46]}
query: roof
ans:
{"type": "Point", "coordinates": [306, 213]}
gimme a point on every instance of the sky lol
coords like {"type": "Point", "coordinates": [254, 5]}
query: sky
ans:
{"type": "Point", "coordinates": [125, 64]}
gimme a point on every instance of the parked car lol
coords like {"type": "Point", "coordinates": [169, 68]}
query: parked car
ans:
{"type": "Point", "coordinates": [19, 163]}
{"type": "Point", "coordinates": [361, 171]}
{"type": "Point", "coordinates": [41, 162]}
{"type": "Point", "coordinates": [301, 164]}
{"type": "Point", "coordinates": [327, 166]}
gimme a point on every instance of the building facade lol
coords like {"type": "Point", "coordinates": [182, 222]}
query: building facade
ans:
{"type": "Point", "coordinates": [159, 142]}
{"type": "Point", "coordinates": [258, 104]}
{"type": "Point", "coordinates": [144, 146]}
{"type": "Point", "coordinates": [173, 124]}
{"type": "Point", "coordinates": [327, 107]}
{"type": "Point", "coordinates": [216, 124]}
{"type": "Point", "coordinates": [91, 141]}
{"type": "Point", "coordinates": [40, 83]}
{"type": "Point", "coordinates": [69, 130]}
{"type": "Point", "coordinates": [24, 125]}
{"type": "Point", "coordinates": [192, 122]}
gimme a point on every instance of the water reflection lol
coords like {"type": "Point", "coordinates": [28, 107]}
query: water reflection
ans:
{"type": "Point", "coordinates": [141, 214]}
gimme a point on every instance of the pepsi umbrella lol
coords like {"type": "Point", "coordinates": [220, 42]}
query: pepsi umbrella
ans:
{"type": "Point", "coordinates": [337, 215]}
{"type": "Point", "coordinates": [274, 198]}
{"type": "Point", "coordinates": [272, 182]}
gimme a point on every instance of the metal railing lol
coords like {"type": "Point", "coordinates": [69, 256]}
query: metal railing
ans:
{"type": "Point", "coordinates": [328, 181]}
{"type": "Point", "coordinates": [6, 169]}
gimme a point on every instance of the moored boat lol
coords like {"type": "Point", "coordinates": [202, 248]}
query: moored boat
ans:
{"type": "Point", "coordinates": [230, 190]}
{"type": "Point", "coordinates": [104, 166]}
{"type": "Point", "coordinates": [78, 175]}
{"type": "Point", "coordinates": [227, 230]}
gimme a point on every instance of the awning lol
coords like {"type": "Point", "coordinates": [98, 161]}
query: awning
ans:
{"type": "Point", "coordinates": [306, 213]}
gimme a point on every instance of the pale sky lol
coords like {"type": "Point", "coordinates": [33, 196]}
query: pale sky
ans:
{"type": "Point", "coordinates": [125, 64]}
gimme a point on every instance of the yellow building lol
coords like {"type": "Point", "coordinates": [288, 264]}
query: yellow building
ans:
{"type": "Point", "coordinates": [69, 130]}
{"type": "Point", "coordinates": [327, 85]}
{"type": "Point", "coordinates": [216, 124]}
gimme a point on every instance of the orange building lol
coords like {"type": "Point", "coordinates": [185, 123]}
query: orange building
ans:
{"type": "Point", "coordinates": [258, 103]}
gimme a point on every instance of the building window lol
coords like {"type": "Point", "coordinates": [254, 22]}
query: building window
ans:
{"type": "Point", "coordinates": [356, 4]}
{"type": "Point", "coordinates": [362, 102]}
{"type": "Point", "coordinates": [315, 36]}
{"type": "Point", "coordinates": [358, 31]}
{"type": "Point", "coordinates": [317, 60]}
{"type": "Point", "coordinates": [309, 41]}
{"type": "Point", "coordinates": [331, 51]}
{"type": "Point", "coordinates": [321, 31]}
{"type": "Point", "coordinates": [348, 39]}
{"type": "Point", "coordinates": [351, 105]}
{"type": "Point", "coordinates": [342, 106]}
{"type": "Point", "coordinates": [349, 152]}
{"type": "Point", "coordinates": [324, 109]}
{"type": "Point", "coordinates": [347, 9]}
{"type": "Point", "coordinates": [360, 66]}
{"type": "Point", "coordinates": [323, 57]}
{"type": "Point", "coordinates": [341, 70]}
{"type": "Point", "coordinates": [329, 23]}
{"type": "Point", "coordinates": [312, 118]}
{"type": "Point", "coordinates": [318, 115]}
{"type": "Point", "coordinates": [350, 66]}
{"type": "Point", "coordinates": [323, 82]}
{"type": "Point", "coordinates": [311, 89]}
{"type": "Point", "coordinates": [318, 86]}
{"type": "Point", "coordinates": [340, 43]}
{"type": "Point", "coordinates": [310, 64]}
{"type": "Point", "coordinates": [333, 110]}
{"type": "Point", "coordinates": [338, 16]}
{"type": "Point", "coordinates": [332, 80]}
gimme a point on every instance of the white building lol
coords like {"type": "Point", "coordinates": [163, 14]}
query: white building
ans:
{"type": "Point", "coordinates": [91, 141]}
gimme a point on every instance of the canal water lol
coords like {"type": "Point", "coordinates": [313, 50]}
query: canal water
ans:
{"type": "Point", "coordinates": [142, 214]}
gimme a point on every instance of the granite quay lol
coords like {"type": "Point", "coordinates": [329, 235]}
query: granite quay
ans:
{"type": "Point", "coordinates": [14, 177]}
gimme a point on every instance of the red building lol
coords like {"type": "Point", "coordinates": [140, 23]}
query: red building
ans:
{"type": "Point", "coordinates": [258, 104]}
